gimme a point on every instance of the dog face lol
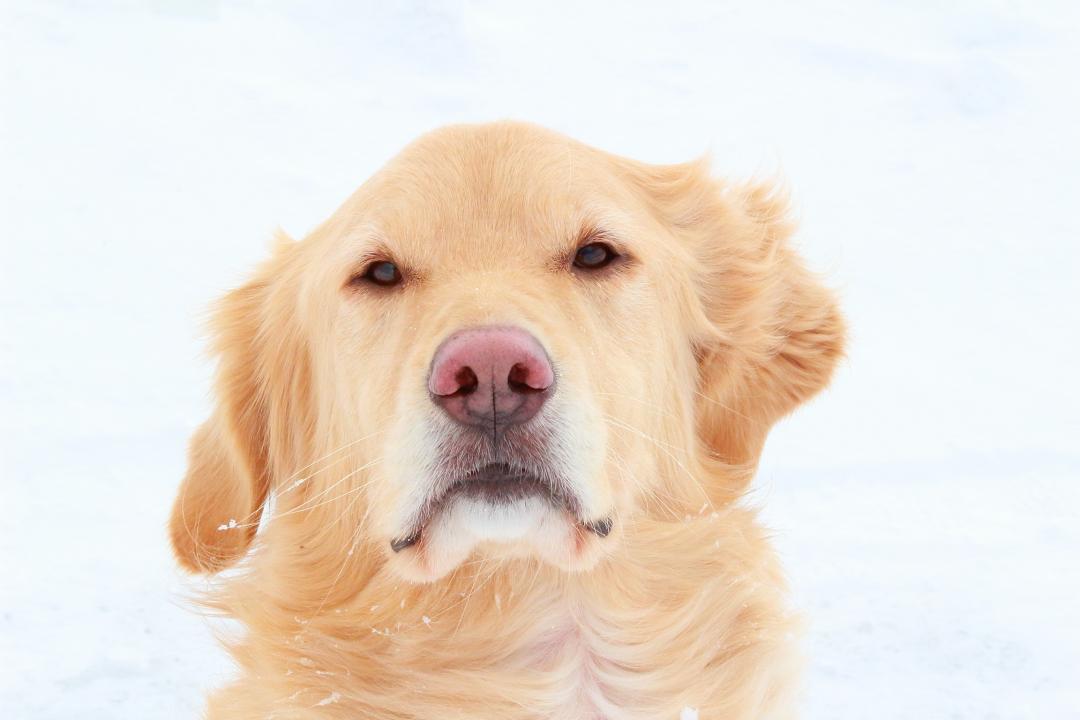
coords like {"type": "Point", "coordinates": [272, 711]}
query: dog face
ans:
{"type": "Point", "coordinates": [504, 344]}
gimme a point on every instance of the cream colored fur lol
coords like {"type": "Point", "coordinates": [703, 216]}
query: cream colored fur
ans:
{"type": "Point", "coordinates": [671, 371]}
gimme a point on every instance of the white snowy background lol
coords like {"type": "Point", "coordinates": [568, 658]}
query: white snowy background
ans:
{"type": "Point", "coordinates": [927, 506]}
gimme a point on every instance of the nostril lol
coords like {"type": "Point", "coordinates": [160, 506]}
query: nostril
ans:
{"type": "Point", "coordinates": [518, 379]}
{"type": "Point", "coordinates": [466, 380]}
{"type": "Point", "coordinates": [490, 377]}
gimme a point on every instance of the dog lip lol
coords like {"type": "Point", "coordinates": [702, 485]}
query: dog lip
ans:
{"type": "Point", "coordinates": [501, 483]}
{"type": "Point", "coordinates": [497, 484]}
{"type": "Point", "coordinates": [600, 527]}
{"type": "Point", "coordinates": [399, 544]}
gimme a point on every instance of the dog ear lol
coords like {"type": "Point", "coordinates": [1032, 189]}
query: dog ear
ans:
{"type": "Point", "coordinates": [263, 422]}
{"type": "Point", "coordinates": [775, 332]}
{"type": "Point", "coordinates": [767, 332]}
{"type": "Point", "coordinates": [217, 511]}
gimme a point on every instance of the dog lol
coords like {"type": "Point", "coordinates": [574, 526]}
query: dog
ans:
{"type": "Point", "coordinates": [499, 412]}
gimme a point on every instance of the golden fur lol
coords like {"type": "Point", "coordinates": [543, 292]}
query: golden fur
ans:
{"type": "Point", "coordinates": [672, 370]}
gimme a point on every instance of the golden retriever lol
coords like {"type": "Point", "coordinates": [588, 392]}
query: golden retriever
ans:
{"type": "Point", "coordinates": [500, 409]}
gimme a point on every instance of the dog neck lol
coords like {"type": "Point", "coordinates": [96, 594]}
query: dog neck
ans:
{"type": "Point", "coordinates": [521, 636]}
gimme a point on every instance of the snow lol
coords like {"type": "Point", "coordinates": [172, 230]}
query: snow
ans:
{"type": "Point", "coordinates": [688, 713]}
{"type": "Point", "coordinates": [329, 699]}
{"type": "Point", "coordinates": [925, 507]}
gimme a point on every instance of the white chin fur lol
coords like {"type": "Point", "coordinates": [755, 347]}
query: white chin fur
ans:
{"type": "Point", "coordinates": [527, 526]}
{"type": "Point", "coordinates": [482, 520]}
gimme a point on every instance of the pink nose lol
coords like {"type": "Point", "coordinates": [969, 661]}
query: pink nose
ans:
{"type": "Point", "coordinates": [490, 377]}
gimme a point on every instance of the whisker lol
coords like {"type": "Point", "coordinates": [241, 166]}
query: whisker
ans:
{"type": "Point", "coordinates": [654, 492]}
{"type": "Point", "coordinates": [353, 540]}
{"type": "Point", "coordinates": [732, 410]}
{"type": "Point", "coordinates": [297, 479]}
{"type": "Point", "coordinates": [660, 445]}
{"type": "Point", "coordinates": [306, 506]}
{"type": "Point", "coordinates": [628, 396]}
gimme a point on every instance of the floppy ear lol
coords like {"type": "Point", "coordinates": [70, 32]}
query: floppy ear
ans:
{"type": "Point", "coordinates": [775, 332]}
{"type": "Point", "coordinates": [768, 333]}
{"type": "Point", "coordinates": [217, 511]}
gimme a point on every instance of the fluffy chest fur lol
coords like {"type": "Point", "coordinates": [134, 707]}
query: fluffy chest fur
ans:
{"type": "Point", "coordinates": [631, 640]}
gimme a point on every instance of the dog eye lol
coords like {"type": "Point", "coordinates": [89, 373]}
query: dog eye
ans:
{"type": "Point", "coordinates": [382, 272]}
{"type": "Point", "coordinates": [594, 256]}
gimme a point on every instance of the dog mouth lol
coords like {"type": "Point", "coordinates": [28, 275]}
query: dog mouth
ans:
{"type": "Point", "coordinates": [499, 485]}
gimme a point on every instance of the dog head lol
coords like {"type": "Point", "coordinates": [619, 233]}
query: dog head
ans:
{"type": "Point", "coordinates": [505, 343]}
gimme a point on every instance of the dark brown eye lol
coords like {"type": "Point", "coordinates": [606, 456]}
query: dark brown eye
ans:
{"type": "Point", "coordinates": [383, 273]}
{"type": "Point", "coordinates": [594, 256]}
